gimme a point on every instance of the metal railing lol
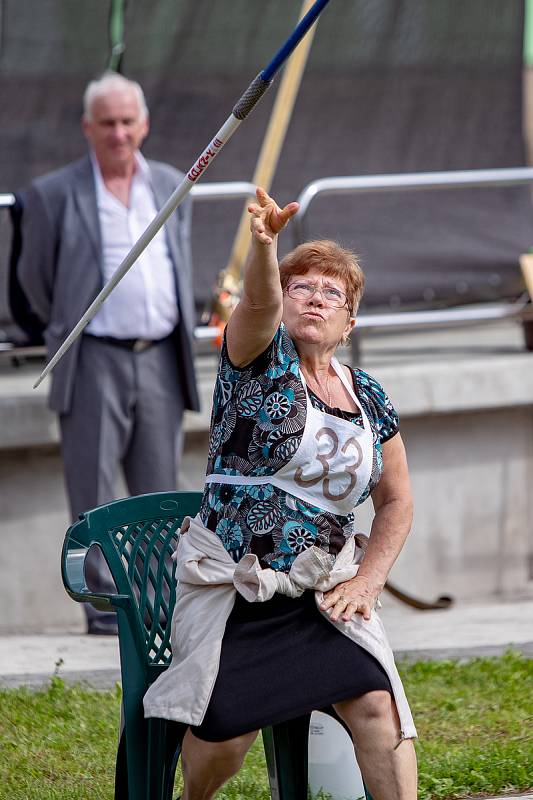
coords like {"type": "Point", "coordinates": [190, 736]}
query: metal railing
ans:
{"type": "Point", "coordinates": [223, 190]}
{"type": "Point", "coordinates": [420, 181]}
{"type": "Point", "coordinates": [405, 182]}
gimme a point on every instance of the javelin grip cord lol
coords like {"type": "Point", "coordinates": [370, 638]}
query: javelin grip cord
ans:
{"type": "Point", "coordinates": [251, 97]}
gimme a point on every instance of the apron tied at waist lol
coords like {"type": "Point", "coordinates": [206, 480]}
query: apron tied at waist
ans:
{"type": "Point", "coordinates": [207, 581]}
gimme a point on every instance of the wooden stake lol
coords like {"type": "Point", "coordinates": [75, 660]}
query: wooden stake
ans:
{"type": "Point", "coordinates": [526, 265]}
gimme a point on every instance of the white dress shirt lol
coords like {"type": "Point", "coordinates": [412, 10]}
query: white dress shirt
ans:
{"type": "Point", "coordinates": [143, 305]}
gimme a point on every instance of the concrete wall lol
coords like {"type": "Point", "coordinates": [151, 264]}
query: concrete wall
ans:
{"type": "Point", "coordinates": [471, 476]}
{"type": "Point", "coordinates": [33, 521]}
{"type": "Point", "coordinates": [468, 429]}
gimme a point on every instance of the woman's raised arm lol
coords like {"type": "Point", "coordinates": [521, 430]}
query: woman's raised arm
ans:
{"type": "Point", "coordinates": [256, 318]}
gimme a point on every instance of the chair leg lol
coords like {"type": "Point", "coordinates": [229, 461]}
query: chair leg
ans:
{"type": "Point", "coordinates": [286, 751]}
{"type": "Point", "coordinates": [164, 748]}
{"type": "Point", "coordinates": [121, 770]}
{"type": "Point", "coordinates": [173, 742]}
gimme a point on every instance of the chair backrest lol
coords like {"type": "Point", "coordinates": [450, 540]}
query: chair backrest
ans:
{"type": "Point", "coordinates": [137, 536]}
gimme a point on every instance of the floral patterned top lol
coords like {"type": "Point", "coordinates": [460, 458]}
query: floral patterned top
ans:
{"type": "Point", "coordinates": [257, 424]}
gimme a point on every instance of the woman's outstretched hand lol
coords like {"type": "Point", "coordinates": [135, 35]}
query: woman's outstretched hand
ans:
{"type": "Point", "coordinates": [355, 596]}
{"type": "Point", "coordinates": [267, 218]}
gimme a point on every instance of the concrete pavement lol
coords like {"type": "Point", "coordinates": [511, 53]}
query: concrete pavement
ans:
{"type": "Point", "coordinates": [512, 797]}
{"type": "Point", "coordinates": [460, 632]}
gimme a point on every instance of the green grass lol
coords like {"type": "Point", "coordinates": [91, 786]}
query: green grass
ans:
{"type": "Point", "coordinates": [474, 721]}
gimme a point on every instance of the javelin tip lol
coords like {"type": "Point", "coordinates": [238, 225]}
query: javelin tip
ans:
{"type": "Point", "coordinates": [45, 372]}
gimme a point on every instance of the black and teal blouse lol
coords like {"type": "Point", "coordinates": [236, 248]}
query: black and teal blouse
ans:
{"type": "Point", "coordinates": [257, 423]}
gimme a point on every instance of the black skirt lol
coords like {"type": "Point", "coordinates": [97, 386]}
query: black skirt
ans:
{"type": "Point", "coordinates": [281, 659]}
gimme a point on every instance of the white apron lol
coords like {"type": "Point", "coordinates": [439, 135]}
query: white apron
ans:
{"type": "Point", "coordinates": [333, 463]}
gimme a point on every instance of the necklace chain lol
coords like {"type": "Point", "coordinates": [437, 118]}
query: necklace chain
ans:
{"type": "Point", "coordinates": [322, 389]}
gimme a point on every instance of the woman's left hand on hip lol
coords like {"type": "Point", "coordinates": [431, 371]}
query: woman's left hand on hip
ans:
{"type": "Point", "coordinates": [355, 596]}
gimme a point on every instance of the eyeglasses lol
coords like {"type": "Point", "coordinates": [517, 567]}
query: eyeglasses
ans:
{"type": "Point", "coordinates": [300, 290]}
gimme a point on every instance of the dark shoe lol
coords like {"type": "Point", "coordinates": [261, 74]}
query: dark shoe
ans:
{"type": "Point", "coordinates": [100, 627]}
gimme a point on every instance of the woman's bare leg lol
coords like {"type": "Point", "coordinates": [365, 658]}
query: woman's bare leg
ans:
{"type": "Point", "coordinates": [207, 765]}
{"type": "Point", "coordinates": [388, 765]}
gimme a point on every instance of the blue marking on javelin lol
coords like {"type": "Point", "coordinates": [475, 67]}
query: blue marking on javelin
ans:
{"type": "Point", "coordinates": [299, 32]}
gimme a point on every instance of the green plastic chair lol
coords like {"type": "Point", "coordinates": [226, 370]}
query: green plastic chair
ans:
{"type": "Point", "coordinates": [137, 536]}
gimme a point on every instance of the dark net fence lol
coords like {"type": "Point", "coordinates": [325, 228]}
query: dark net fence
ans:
{"type": "Point", "coordinates": [390, 86]}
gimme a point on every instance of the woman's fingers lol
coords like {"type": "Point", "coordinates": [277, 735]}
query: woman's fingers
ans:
{"type": "Point", "coordinates": [346, 605]}
{"type": "Point", "coordinates": [338, 608]}
{"type": "Point", "coordinates": [279, 217]}
{"type": "Point", "coordinates": [263, 198]}
{"type": "Point", "coordinates": [361, 607]}
{"type": "Point", "coordinates": [259, 231]}
{"type": "Point", "coordinates": [289, 211]}
{"type": "Point", "coordinates": [266, 209]}
{"type": "Point", "coordinates": [261, 213]}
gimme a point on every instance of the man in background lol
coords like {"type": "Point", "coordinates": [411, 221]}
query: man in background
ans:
{"type": "Point", "coordinates": [121, 389]}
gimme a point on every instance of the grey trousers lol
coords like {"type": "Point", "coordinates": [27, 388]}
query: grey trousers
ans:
{"type": "Point", "coordinates": [126, 410]}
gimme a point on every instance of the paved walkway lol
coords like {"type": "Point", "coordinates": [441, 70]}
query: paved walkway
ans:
{"type": "Point", "coordinates": [512, 797]}
{"type": "Point", "coordinates": [463, 631]}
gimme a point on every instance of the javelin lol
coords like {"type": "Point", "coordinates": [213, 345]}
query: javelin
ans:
{"type": "Point", "coordinates": [242, 108]}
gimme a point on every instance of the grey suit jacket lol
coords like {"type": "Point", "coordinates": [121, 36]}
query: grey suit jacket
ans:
{"type": "Point", "coordinates": [60, 267]}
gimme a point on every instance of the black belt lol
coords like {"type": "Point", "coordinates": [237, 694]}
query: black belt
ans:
{"type": "Point", "coordinates": [137, 345]}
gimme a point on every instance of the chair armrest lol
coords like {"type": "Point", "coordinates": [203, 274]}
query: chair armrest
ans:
{"type": "Point", "coordinates": [72, 571]}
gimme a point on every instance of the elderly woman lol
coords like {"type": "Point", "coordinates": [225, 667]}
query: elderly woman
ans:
{"type": "Point", "coordinates": [297, 442]}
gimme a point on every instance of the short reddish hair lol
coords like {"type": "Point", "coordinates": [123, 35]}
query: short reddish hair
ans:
{"type": "Point", "coordinates": [331, 259]}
